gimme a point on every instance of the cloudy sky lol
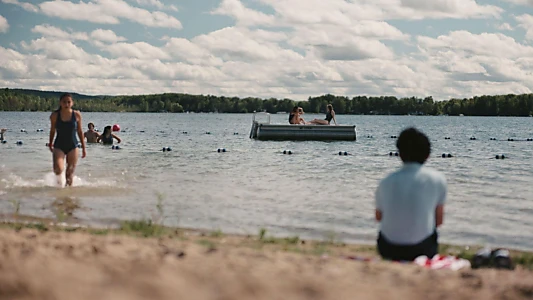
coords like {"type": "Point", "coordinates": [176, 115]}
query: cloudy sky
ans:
{"type": "Point", "coordinates": [269, 48]}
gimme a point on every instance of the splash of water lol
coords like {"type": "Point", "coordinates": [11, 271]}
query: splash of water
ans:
{"type": "Point", "coordinates": [54, 181]}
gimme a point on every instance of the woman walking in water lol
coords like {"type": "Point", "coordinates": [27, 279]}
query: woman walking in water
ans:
{"type": "Point", "coordinates": [65, 121]}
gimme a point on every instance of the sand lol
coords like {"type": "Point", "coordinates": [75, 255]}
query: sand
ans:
{"type": "Point", "coordinates": [76, 265]}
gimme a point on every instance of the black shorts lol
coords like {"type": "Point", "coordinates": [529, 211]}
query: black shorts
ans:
{"type": "Point", "coordinates": [428, 247]}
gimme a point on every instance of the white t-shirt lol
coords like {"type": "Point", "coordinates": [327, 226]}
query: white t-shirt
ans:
{"type": "Point", "coordinates": [407, 199]}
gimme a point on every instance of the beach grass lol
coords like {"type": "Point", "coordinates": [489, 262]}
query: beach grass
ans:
{"type": "Point", "coordinates": [213, 239]}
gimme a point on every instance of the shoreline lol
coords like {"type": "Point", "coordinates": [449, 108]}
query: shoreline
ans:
{"type": "Point", "coordinates": [147, 228]}
{"type": "Point", "coordinates": [142, 260]}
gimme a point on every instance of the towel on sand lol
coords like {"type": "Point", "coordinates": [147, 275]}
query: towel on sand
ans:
{"type": "Point", "coordinates": [442, 262]}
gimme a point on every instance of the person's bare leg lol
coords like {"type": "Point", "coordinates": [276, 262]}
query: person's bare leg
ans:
{"type": "Point", "coordinates": [72, 160]}
{"type": "Point", "coordinates": [319, 122]}
{"type": "Point", "coordinates": [58, 164]}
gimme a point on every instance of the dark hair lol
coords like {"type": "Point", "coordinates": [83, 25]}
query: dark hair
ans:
{"type": "Point", "coordinates": [295, 109]}
{"type": "Point", "coordinates": [330, 107]}
{"type": "Point", "coordinates": [107, 131]}
{"type": "Point", "coordinates": [65, 95]}
{"type": "Point", "coordinates": [90, 124]}
{"type": "Point", "coordinates": [414, 146]}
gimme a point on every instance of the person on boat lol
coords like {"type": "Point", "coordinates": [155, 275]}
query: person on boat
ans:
{"type": "Point", "coordinates": [91, 135]}
{"type": "Point", "coordinates": [295, 116]}
{"type": "Point", "coordinates": [107, 137]}
{"type": "Point", "coordinates": [330, 115]}
{"type": "Point", "coordinates": [64, 127]}
{"type": "Point", "coordinates": [410, 203]}
{"type": "Point", "coordinates": [2, 132]}
{"type": "Point", "coordinates": [300, 113]}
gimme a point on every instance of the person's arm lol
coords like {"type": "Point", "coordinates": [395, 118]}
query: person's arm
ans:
{"type": "Point", "coordinates": [379, 212]}
{"type": "Point", "coordinates": [117, 138]}
{"type": "Point", "coordinates": [2, 131]}
{"type": "Point", "coordinates": [439, 210]}
{"type": "Point", "coordinates": [439, 215]}
{"type": "Point", "coordinates": [334, 119]}
{"type": "Point", "coordinates": [80, 135]}
{"type": "Point", "coordinates": [53, 118]}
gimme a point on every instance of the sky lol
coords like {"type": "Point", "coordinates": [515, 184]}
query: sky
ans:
{"type": "Point", "coordinates": [269, 48]}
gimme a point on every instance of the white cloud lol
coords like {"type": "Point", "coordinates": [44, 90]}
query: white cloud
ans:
{"type": "Point", "coordinates": [156, 3]}
{"type": "Point", "coordinates": [4, 25]}
{"type": "Point", "coordinates": [487, 44]}
{"type": "Point", "coordinates": [56, 49]}
{"type": "Point", "coordinates": [54, 32]}
{"type": "Point", "coordinates": [106, 36]}
{"type": "Point", "coordinates": [107, 12]}
{"type": "Point", "coordinates": [505, 26]}
{"type": "Point", "coordinates": [341, 12]}
{"type": "Point", "coordinates": [521, 2]}
{"type": "Point", "coordinates": [242, 14]}
{"type": "Point", "coordinates": [25, 5]}
{"type": "Point", "coordinates": [451, 8]}
{"type": "Point", "coordinates": [526, 21]}
{"type": "Point", "coordinates": [139, 50]}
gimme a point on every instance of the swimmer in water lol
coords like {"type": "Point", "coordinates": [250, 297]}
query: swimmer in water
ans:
{"type": "Point", "coordinates": [65, 122]}
{"type": "Point", "coordinates": [2, 131]}
{"type": "Point", "coordinates": [91, 135]}
{"type": "Point", "coordinates": [107, 137]}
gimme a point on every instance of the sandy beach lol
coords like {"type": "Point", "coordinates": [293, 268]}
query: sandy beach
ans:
{"type": "Point", "coordinates": [50, 263]}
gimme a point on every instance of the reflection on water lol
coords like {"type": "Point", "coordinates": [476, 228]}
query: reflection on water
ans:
{"type": "Point", "coordinates": [311, 193]}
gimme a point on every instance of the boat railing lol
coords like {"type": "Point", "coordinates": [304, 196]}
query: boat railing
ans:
{"type": "Point", "coordinates": [259, 114]}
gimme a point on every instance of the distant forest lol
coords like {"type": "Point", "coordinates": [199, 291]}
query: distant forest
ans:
{"type": "Point", "coordinates": [499, 105]}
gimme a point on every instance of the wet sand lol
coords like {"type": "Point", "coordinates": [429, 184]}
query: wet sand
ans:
{"type": "Point", "coordinates": [61, 265]}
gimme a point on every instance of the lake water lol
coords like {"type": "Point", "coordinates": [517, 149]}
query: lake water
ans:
{"type": "Point", "coordinates": [312, 193]}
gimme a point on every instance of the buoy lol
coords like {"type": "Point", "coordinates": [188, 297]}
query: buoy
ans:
{"type": "Point", "coordinates": [23, 130]}
{"type": "Point", "coordinates": [40, 130]}
{"type": "Point", "coordinates": [343, 153]}
{"type": "Point", "coordinates": [287, 152]}
{"type": "Point", "coordinates": [390, 153]}
{"type": "Point", "coordinates": [185, 132]}
{"type": "Point", "coordinates": [116, 127]}
{"type": "Point", "coordinates": [141, 131]}
{"type": "Point", "coordinates": [472, 138]}
{"type": "Point", "coordinates": [510, 140]}
{"type": "Point", "coordinates": [166, 149]}
{"type": "Point", "coordinates": [393, 137]}
{"type": "Point", "coordinates": [221, 150]}
{"type": "Point", "coordinates": [4, 142]}
{"type": "Point", "coordinates": [492, 139]}
{"type": "Point", "coordinates": [117, 147]}
{"type": "Point", "coordinates": [207, 132]}
{"type": "Point", "coordinates": [500, 156]}
{"type": "Point", "coordinates": [235, 133]}
{"type": "Point", "coordinates": [529, 140]}
{"type": "Point", "coordinates": [19, 142]}
{"type": "Point", "coordinates": [447, 138]}
{"type": "Point", "coordinates": [396, 154]}
{"type": "Point", "coordinates": [369, 136]}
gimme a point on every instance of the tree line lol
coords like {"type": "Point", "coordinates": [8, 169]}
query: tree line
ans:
{"type": "Point", "coordinates": [498, 105]}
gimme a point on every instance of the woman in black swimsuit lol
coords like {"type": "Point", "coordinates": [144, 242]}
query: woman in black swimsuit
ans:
{"type": "Point", "coordinates": [330, 115]}
{"type": "Point", "coordinates": [65, 121]}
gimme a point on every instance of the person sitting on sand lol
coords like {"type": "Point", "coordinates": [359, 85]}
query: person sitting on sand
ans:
{"type": "Point", "coordinates": [107, 137]}
{"type": "Point", "coordinates": [330, 115]}
{"type": "Point", "coordinates": [2, 131]}
{"type": "Point", "coordinates": [91, 135]}
{"type": "Point", "coordinates": [410, 203]}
